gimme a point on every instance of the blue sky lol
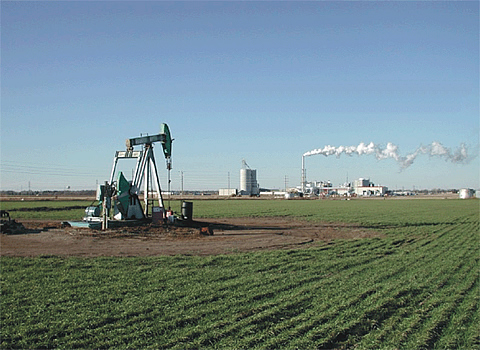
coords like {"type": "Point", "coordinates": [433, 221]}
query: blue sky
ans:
{"type": "Point", "coordinates": [260, 81]}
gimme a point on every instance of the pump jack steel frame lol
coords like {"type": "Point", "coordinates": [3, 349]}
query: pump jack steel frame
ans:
{"type": "Point", "coordinates": [145, 171]}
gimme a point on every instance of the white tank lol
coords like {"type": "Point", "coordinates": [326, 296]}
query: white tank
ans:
{"type": "Point", "coordinates": [243, 181]}
{"type": "Point", "coordinates": [248, 182]}
{"type": "Point", "coordinates": [466, 193]}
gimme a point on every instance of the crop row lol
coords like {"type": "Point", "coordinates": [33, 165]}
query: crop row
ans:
{"type": "Point", "coordinates": [376, 214]}
{"type": "Point", "coordinates": [412, 289]}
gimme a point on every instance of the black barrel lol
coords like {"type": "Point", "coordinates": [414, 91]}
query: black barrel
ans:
{"type": "Point", "coordinates": [187, 211]}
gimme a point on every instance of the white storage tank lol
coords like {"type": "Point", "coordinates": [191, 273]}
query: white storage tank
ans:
{"type": "Point", "coordinates": [248, 182]}
{"type": "Point", "coordinates": [466, 193]}
{"type": "Point", "coordinates": [289, 195]}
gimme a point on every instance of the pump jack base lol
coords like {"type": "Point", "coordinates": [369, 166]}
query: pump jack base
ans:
{"type": "Point", "coordinates": [97, 225]}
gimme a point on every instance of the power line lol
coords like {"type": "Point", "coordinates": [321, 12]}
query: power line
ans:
{"type": "Point", "coordinates": [40, 170]}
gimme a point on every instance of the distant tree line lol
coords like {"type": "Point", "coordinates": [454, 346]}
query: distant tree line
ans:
{"type": "Point", "coordinates": [68, 193]}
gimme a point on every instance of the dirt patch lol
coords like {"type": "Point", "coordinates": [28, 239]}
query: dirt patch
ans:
{"type": "Point", "coordinates": [229, 236]}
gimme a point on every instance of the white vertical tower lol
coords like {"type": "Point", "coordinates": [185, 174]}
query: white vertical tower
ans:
{"type": "Point", "coordinates": [304, 174]}
{"type": "Point", "coordinates": [248, 180]}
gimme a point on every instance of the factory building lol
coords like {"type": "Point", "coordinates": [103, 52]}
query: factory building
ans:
{"type": "Point", "coordinates": [363, 187]}
{"type": "Point", "coordinates": [360, 187]}
{"type": "Point", "coordinates": [361, 182]}
{"type": "Point", "coordinates": [227, 192]}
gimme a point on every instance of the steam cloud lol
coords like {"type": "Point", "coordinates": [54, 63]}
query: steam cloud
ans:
{"type": "Point", "coordinates": [436, 149]}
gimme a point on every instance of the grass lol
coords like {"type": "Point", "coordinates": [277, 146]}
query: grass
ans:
{"type": "Point", "coordinates": [416, 288]}
{"type": "Point", "coordinates": [46, 210]}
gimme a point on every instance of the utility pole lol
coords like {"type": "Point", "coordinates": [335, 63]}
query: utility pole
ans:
{"type": "Point", "coordinates": [181, 179]}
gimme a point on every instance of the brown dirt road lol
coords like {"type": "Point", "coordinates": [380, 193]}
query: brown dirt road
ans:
{"type": "Point", "coordinates": [229, 236]}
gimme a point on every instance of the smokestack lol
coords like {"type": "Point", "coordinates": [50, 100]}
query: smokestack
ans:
{"type": "Point", "coordinates": [304, 175]}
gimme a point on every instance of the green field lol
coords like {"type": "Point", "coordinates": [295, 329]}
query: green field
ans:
{"type": "Point", "coordinates": [417, 287]}
{"type": "Point", "coordinates": [46, 210]}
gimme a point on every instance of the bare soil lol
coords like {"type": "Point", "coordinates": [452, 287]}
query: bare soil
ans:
{"type": "Point", "coordinates": [229, 236]}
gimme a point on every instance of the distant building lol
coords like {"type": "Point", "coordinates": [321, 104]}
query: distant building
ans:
{"type": "Point", "coordinates": [325, 188]}
{"type": "Point", "coordinates": [363, 187]}
{"type": "Point", "coordinates": [360, 187]}
{"type": "Point", "coordinates": [228, 192]}
{"type": "Point", "coordinates": [361, 182]}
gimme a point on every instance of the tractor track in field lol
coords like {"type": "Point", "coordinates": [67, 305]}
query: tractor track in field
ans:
{"type": "Point", "coordinates": [230, 235]}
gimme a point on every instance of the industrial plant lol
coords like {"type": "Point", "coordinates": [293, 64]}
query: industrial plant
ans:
{"type": "Point", "coordinates": [360, 187]}
{"type": "Point", "coordinates": [249, 187]}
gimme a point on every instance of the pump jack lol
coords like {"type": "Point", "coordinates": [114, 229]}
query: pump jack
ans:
{"type": "Point", "coordinates": [123, 194]}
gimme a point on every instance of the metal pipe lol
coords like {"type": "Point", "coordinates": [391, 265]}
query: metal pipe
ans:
{"type": "Point", "coordinates": [105, 205]}
{"type": "Point", "coordinates": [156, 180]}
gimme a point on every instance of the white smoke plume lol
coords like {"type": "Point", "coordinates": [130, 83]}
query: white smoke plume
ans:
{"type": "Point", "coordinates": [436, 149]}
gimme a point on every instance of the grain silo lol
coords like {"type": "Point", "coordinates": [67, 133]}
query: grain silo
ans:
{"type": "Point", "coordinates": [248, 180]}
